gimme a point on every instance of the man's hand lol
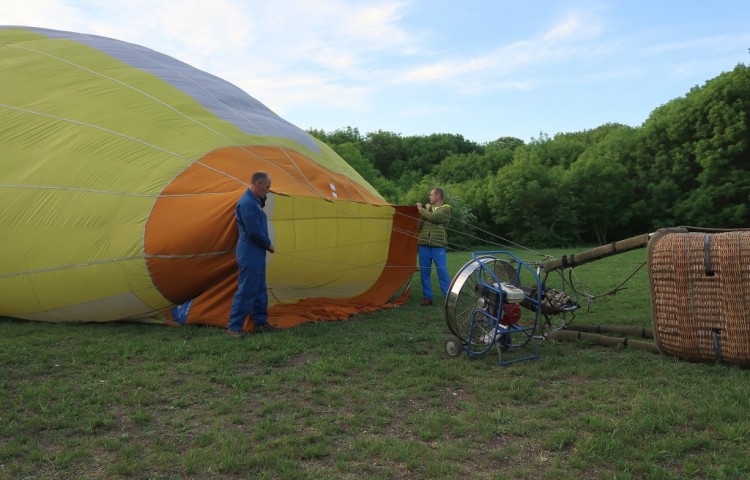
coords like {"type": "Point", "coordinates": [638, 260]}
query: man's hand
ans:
{"type": "Point", "coordinates": [270, 249]}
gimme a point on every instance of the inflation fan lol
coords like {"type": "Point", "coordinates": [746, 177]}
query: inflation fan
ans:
{"type": "Point", "coordinates": [486, 302]}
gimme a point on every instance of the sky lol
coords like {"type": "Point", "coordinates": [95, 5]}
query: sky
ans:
{"type": "Point", "coordinates": [483, 69]}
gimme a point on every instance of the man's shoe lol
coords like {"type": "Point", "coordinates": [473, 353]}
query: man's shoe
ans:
{"type": "Point", "coordinates": [426, 302]}
{"type": "Point", "coordinates": [235, 334]}
{"type": "Point", "coordinates": [266, 328]}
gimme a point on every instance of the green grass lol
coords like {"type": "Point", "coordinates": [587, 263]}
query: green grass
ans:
{"type": "Point", "coordinates": [371, 398]}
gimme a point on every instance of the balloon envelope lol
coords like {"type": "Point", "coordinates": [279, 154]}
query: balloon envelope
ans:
{"type": "Point", "coordinates": [119, 173]}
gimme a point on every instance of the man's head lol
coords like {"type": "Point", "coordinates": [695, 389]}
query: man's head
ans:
{"type": "Point", "coordinates": [436, 196]}
{"type": "Point", "coordinates": [260, 184]}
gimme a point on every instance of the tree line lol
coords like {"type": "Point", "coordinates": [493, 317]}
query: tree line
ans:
{"type": "Point", "coordinates": [687, 164]}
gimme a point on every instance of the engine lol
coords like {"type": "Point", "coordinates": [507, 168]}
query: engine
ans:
{"type": "Point", "coordinates": [504, 298]}
{"type": "Point", "coordinates": [511, 314]}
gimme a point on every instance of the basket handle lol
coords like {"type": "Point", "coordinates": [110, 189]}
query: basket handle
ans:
{"type": "Point", "coordinates": [716, 340]}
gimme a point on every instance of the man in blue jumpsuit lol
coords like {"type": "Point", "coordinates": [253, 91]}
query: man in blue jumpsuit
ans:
{"type": "Point", "coordinates": [254, 242]}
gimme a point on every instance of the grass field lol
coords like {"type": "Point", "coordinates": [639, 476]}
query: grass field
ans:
{"type": "Point", "coordinates": [371, 398]}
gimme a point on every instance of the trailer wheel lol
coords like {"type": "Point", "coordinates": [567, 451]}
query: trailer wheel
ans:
{"type": "Point", "coordinates": [453, 346]}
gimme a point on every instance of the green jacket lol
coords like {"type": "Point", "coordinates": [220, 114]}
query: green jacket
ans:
{"type": "Point", "coordinates": [432, 226]}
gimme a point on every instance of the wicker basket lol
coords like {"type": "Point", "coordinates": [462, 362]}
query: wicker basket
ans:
{"type": "Point", "coordinates": [700, 294]}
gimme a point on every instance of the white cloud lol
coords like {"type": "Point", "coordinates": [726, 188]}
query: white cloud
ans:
{"type": "Point", "coordinates": [714, 42]}
{"type": "Point", "coordinates": [574, 26]}
{"type": "Point", "coordinates": [377, 27]}
{"type": "Point", "coordinates": [41, 13]}
{"type": "Point", "coordinates": [205, 31]}
{"type": "Point", "coordinates": [574, 35]}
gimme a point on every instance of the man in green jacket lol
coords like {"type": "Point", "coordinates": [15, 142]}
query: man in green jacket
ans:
{"type": "Point", "coordinates": [433, 238]}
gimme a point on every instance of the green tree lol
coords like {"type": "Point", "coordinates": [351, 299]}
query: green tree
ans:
{"type": "Point", "coordinates": [720, 146]}
{"type": "Point", "coordinates": [688, 164]}
{"type": "Point", "coordinates": [525, 202]}
{"type": "Point", "coordinates": [424, 153]}
{"type": "Point", "coordinates": [475, 193]}
{"type": "Point", "coordinates": [561, 150]}
{"type": "Point", "coordinates": [463, 167]}
{"type": "Point", "coordinates": [339, 136]}
{"type": "Point", "coordinates": [695, 161]}
{"type": "Point", "coordinates": [351, 153]}
{"type": "Point", "coordinates": [383, 149]}
{"type": "Point", "coordinates": [505, 143]}
{"type": "Point", "coordinates": [600, 190]}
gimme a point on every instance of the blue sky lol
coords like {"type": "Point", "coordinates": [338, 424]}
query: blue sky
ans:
{"type": "Point", "coordinates": [483, 69]}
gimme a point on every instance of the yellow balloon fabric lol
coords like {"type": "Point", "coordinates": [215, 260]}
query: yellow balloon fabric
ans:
{"type": "Point", "coordinates": [119, 171]}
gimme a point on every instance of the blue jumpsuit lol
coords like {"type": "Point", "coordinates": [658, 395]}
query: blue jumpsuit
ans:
{"type": "Point", "coordinates": [252, 295]}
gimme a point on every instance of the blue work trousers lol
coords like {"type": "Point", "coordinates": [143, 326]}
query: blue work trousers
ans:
{"type": "Point", "coordinates": [428, 255]}
{"type": "Point", "coordinates": [251, 297]}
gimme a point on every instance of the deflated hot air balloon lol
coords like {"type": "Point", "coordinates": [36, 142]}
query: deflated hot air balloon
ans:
{"type": "Point", "coordinates": [120, 168]}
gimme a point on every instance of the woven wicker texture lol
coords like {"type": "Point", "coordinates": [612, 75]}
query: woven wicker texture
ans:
{"type": "Point", "coordinates": [700, 287]}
